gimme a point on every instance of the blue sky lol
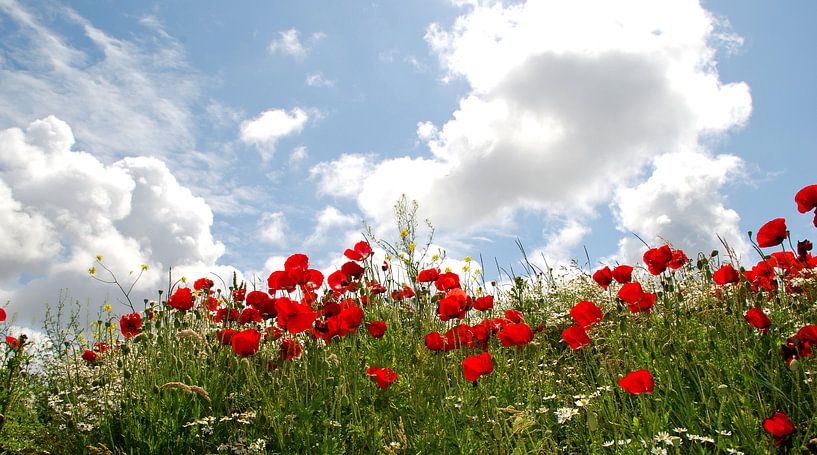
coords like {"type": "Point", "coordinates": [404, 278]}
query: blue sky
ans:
{"type": "Point", "coordinates": [207, 137]}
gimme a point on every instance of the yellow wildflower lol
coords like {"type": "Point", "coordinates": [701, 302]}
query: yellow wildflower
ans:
{"type": "Point", "coordinates": [92, 271]}
{"type": "Point", "coordinates": [144, 267]}
{"type": "Point", "coordinates": [403, 234]}
{"type": "Point", "coordinates": [467, 258]}
{"type": "Point", "coordinates": [107, 308]}
{"type": "Point", "coordinates": [99, 258]}
{"type": "Point", "coordinates": [412, 246]}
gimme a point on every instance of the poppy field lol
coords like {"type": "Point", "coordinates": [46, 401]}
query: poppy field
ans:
{"type": "Point", "coordinates": [678, 353]}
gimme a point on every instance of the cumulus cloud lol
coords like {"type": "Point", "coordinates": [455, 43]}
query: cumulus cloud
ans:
{"type": "Point", "coordinates": [289, 43]}
{"type": "Point", "coordinates": [565, 106]}
{"type": "Point", "coordinates": [266, 129]}
{"type": "Point", "coordinates": [681, 203]}
{"type": "Point", "coordinates": [75, 207]}
{"type": "Point", "coordinates": [272, 228]}
{"type": "Point", "coordinates": [330, 223]}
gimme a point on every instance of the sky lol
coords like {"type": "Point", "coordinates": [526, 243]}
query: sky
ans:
{"type": "Point", "coordinates": [215, 138]}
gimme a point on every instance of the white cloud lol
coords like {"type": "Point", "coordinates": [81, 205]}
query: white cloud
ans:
{"type": "Point", "coordinates": [330, 224]}
{"type": "Point", "coordinates": [272, 228]}
{"type": "Point", "coordinates": [266, 129]}
{"type": "Point", "coordinates": [298, 154]}
{"type": "Point", "coordinates": [343, 177]}
{"type": "Point", "coordinates": [565, 106]}
{"type": "Point", "coordinates": [289, 43]}
{"type": "Point", "coordinates": [123, 97]}
{"type": "Point", "coordinates": [318, 80]}
{"type": "Point", "coordinates": [75, 208]}
{"type": "Point", "coordinates": [681, 203]}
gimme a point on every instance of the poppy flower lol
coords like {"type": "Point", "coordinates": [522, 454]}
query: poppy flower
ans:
{"type": "Point", "coordinates": [806, 199]}
{"type": "Point", "coordinates": [245, 343]}
{"type": "Point", "coordinates": [623, 274]}
{"type": "Point", "coordinates": [586, 313]}
{"type": "Point", "coordinates": [361, 251]}
{"type": "Point", "coordinates": [383, 376]}
{"type": "Point", "coordinates": [428, 275]}
{"type": "Point", "coordinates": [101, 347]}
{"type": "Point", "coordinates": [454, 305]}
{"type": "Point", "coordinates": [458, 336]}
{"type": "Point", "coordinates": [477, 365]}
{"type": "Point", "coordinates": [514, 316]}
{"type": "Point", "coordinates": [353, 270]}
{"type": "Point", "coordinates": [679, 258]}
{"type": "Point", "coordinates": [338, 282]}
{"type": "Point", "coordinates": [296, 273]}
{"type": "Point", "coordinates": [227, 314]}
{"type": "Point", "coordinates": [2, 315]}
{"type": "Point", "coordinates": [250, 314]}
{"type": "Point", "coordinates": [484, 303]}
{"type": "Point", "coordinates": [726, 275]}
{"type": "Point", "coordinates": [575, 336]}
{"type": "Point", "coordinates": [225, 336]}
{"type": "Point", "coordinates": [635, 297]}
{"type": "Point", "coordinates": [517, 335]}
{"type": "Point", "coordinates": [294, 317]}
{"type": "Point", "coordinates": [257, 298]}
{"type": "Point", "coordinates": [603, 277]}
{"type": "Point", "coordinates": [14, 343]}
{"type": "Point", "coordinates": [203, 283]}
{"type": "Point", "coordinates": [89, 356]}
{"type": "Point", "coordinates": [657, 259]}
{"type": "Point", "coordinates": [377, 329]}
{"type": "Point", "coordinates": [780, 426]}
{"type": "Point", "coordinates": [435, 342]}
{"type": "Point", "coordinates": [803, 247]}
{"type": "Point", "coordinates": [130, 324]}
{"type": "Point", "coordinates": [181, 300]}
{"type": "Point", "coordinates": [351, 317]}
{"type": "Point", "coordinates": [637, 382]}
{"type": "Point", "coordinates": [772, 233]}
{"type": "Point", "coordinates": [290, 349]}
{"type": "Point", "coordinates": [239, 294]}
{"type": "Point", "coordinates": [758, 319]}
{"type": "Point", "coordinates": [807, 334]}
{"type": "Point", "coordinates": [447, 281]}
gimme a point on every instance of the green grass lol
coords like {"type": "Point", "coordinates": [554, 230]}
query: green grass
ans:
{"type": "Point", "coordinates": [716, 379]}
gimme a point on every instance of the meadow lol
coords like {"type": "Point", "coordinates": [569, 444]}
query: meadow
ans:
{"type": "Point", "coordinates": [679, 353]}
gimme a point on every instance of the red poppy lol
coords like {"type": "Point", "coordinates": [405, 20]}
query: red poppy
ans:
{"type": "Point", "coordinates": [806, 199]}
{"type": "Point", "coordinates": [517, 335]}
{"type": "Point", "coordinates": [239, 294]}
{"type": "Point", "coordinates": [296, 273]}
{"type": "Point", "coordinates": [637, 382]}
{"type": "Point", "coordinates": [623, 274]}
{"type": "Point", "coordinates": [203, 283]}
{"type": "Point", "coordinates": [458, 336]}
{"type": "Point", "coordinates": [477, 365]}
{"type": "Point", "coordinates": [484, 303]}
{"type": "Point", "coordinates": [400, 294]}
{"type": "Point", "coordinates": [225, 336]}
{"type": "Point", "coordinates": [780, 426]}
{"type": "Point", "coordinates": [362, 250]}
{"type": "Point", "coordinates": [338, 282]}
{"type": "Point", "coordinates": [586, 313]}
{"type": "Point", "coordinates": [603, 277]}
{"type": "Point", "coordinates": [293, 316]}
{"type": "Point", "coordinates": [351, 316]}
{"type": "Point", "coordinates": [181, 300]}
{"type": "Point", "coordinates": [772, 233]}
{"type": "Point", "coordinates": [454, 305]}
{"type": "Point", "coordinates": [635, 297]}
{"type": "Point", "coordinates": [250, 314]}
{"type": "Point", "coordinates": [726, 275]}
{"type": "Point", "coordinates": [89, 356]}
{"type": "Point", "coordinates": [575, 336]}
{"type": "Point", "coordinates": [13, 343]}
{"type": "Point", "coordinates": [2, 315]}
{"type": "Point", "coordinates": [257, 298]}
{"type": "Point", "coordinates": [428, 275]}
{"type": "Point", "coordinates": [100, 347]}
{"type": "Point", "coordinates": [758, 319]}
{"type": "Point", "coordinates": [446, 281]}
{"type": "Point", "coordinates": [657, 259]}
{"type": "Point", "coordinates": [435, 342]}
{"type": "Point", "coordinates": [807, 334]}
{"type": "Point", "coordinates": [227, 314]}
{"type": "Point", "coordinates": [130, 324]}
{"type": "Point", "coordinates": [245, 343]}
{"type": "Point", "coordinates": [678, 260]}
{"type": "Point", "coordinates": [514, 316]}
{"type": "Point", "coordinates": [803, 247]}
{"type": "Point", "coordinates": [383, 376]}
{"type": "Point", "coordinates": [353, 270]}
{"type": "Point", "coordinates": [290, 349]}
{"type": "Point", "coordinates": [377, 329]}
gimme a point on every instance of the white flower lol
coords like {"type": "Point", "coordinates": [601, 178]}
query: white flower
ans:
{"type": "Point", "coordinates": [565, 414]}
{"type": "Point", "coordinates": [658, 451]}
